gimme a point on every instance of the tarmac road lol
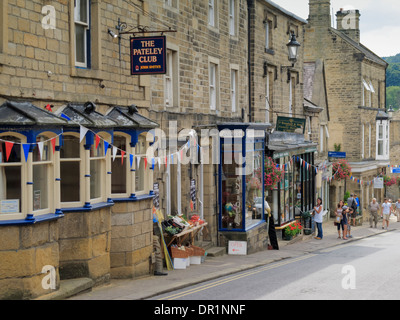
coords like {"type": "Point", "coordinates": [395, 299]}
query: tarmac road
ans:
{"type": "Point", "coordinates": [368, 268]}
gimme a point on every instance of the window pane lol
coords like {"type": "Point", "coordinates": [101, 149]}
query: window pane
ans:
{"type": "Point", "coordinates": [139, 177]}
{"type": "Point", "coordinates": [10, 184]}
{"type": "Point", "coordinates": [15, 155]}
{"type": "Point", "coordinates": [70, 184]}
{"type": "Point", "coordinates": [118, 178]}
{"type": "Point", "coordinates": [80, 43]}
{"type": "Point", "coordinates": [232, 191]}
{"type": "Point", "coordinates": [70, 149]}
{"type": "Point", "coordinates": [95, 179]}
{"type": "Point", "coordinates": [45, 152]}
{"type": "Point", "coordinates": [40, 187]}
{"type": "Point", "coordinates": [81, 11]}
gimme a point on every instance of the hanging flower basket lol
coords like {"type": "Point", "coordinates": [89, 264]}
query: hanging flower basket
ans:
{"type": "Point", "coordinates": [272, 175]}
{"type": "Point", "coordinates": [389, 181]}
{"type": "Point", "coordinates": [341, 170]}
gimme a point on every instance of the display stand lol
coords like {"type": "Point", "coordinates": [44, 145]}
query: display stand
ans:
{"type": "Point", "coordinates": [188, 234]}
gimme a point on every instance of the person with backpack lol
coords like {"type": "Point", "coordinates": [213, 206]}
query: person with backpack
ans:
{"type": "Point", "coordinates": [352, 203]}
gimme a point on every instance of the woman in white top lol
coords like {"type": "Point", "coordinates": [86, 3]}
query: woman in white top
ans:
{"type": "Point", "coordinates": [318, 213]}
{"type": "Point", "coordinates": [339, 218]}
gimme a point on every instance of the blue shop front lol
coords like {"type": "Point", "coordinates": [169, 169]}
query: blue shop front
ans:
{"type": "Point", "coordinates": [242, 211]}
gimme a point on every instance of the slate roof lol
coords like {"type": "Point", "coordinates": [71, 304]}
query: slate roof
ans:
{"type": "Point", "coordinates": [360, 47]}
{"type": "Point", "coordinates": [130, 118]}
{"type": "Point", "coordinates": [14, 113]}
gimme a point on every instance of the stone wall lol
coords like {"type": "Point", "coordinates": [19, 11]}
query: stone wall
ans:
{"type": "Point", "coordinates": [24, 251]}
{"type": "Point", "coordinates": [85, 242]}
{"type": "Point", "coordinates": [131, 239]}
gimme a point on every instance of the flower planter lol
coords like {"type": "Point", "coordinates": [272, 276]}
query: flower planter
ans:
{"type": "Point", "coordinates": [307, 231]}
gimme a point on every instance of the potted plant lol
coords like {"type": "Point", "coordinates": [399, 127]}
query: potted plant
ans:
{"type": "Point", "coordinates": [292, 231]}
{"type": "Point", "coordinates": [272, 174]}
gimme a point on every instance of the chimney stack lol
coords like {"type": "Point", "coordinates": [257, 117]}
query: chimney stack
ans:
{"type": "Point", "coordinates": [348, 22]}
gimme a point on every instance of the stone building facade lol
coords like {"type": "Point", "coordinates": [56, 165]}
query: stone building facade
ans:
{"type": "Point", "coordinates": [53, 55]}
{"type": "Point", "coordinates": [355, 88]}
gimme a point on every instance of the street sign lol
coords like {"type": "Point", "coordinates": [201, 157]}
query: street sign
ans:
{"type": "Point", "coordinates": [336, 154]}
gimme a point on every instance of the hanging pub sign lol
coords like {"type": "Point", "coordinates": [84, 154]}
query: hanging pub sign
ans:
{"type": "Point", "coordinates": [148, 55]}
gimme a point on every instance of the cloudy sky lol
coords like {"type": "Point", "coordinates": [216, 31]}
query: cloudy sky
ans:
{"type": "Point", "coordinates": [379, 22]}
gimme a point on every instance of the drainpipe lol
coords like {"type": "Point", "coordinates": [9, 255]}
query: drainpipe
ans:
{"type": "Point", "coordinates": [249, 15]}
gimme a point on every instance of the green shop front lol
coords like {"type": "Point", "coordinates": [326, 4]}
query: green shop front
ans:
{"type": "Point", "coordinates": [294, 196]}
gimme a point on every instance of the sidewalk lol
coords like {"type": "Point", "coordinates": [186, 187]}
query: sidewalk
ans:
{"type": "Point", "coordinates": [215, 267]}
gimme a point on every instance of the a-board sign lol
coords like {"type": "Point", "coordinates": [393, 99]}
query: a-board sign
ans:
{"type": "Point", "coordinates": [237, 247]}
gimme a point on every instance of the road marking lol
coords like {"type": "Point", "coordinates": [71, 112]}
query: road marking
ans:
{"type": "Point", "coordinates": [235, 277]}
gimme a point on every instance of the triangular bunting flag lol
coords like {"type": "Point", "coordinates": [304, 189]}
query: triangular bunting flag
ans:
{"type": "Point", "coordinates": [131, 160]}
{"type": "Point", "coordinates": [166, 161]}
{"type": "Point", "coordinates": [114, 152]}
{"type": "Point", "coordinates": [65, 116]}
{"type": "Point", "coordinates": [152, 163]}
{"type": "Point", "coordinates": [9, 146]}
{"type": "Point", "coordinates": [106, 144]}
{"type": "Point", "coordinates": [40, 146]}
{"type": "Point", "coordinates": [97, 141]}
{"type": "Point", "coordinates": [145, 163]}
{"type": "Point", "coordinates": [137, 163]}
{"type": "Point", "coordinates": [122, 156]}
{"type": "Point", "coordinates": [26, 148]}
{"type": "Point", "coordinates": [53, 144]}
{"type": "Point", "coordinates": [83, 132]}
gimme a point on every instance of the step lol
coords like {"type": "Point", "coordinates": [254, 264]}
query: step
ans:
{"type": "Point", "coordinates": [69, 288]}
{"type": "Point", "coordinates": [216, 251]}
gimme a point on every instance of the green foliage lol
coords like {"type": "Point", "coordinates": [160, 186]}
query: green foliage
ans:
{"type": "Point", "coordinates": [346, 196]}
{"type": "Point", "coordinates": [393, 81]}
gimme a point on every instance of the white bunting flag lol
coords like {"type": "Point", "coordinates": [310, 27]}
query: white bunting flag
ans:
{"type": "Point", "coordinates": [114, 152]}
{"type": "Point", "coordinates": [40, 145]}
{"type": "Point", "coordinates": [137, 163]}
{"type": "Point", "coordinates": [83, 132]}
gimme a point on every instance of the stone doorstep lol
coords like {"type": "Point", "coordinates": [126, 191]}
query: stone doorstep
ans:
{"type": "Point", "coordinates": [69, 288]}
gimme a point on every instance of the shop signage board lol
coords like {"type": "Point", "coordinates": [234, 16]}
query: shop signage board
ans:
{"type": "Point", "coordinates": [378, 183]}
{"type": "Point", "coordinates": [336, 154]}
{"type": "Point", "coordinates": [148, 55]}
{"type": "Point", "coordinates": [287, 124]}
{"type": "Point", "coordinates": [237, 248]}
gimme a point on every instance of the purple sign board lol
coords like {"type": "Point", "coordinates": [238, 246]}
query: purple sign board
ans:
{"type": "Point", "coordinates": [148, 55]}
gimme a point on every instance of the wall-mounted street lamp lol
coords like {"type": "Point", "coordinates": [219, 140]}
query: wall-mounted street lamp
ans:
{"type": "Point", "coordinates": [293, 51]}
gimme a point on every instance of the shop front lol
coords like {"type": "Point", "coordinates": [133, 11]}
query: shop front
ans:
{"type": "Point", "coordinates": [293, 197]}
{"type": "Point", "coordinates": [243, 214]}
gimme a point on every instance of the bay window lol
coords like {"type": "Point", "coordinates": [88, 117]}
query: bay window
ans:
{"type": "Point", "coordinates": [382, 140]}
{"type": "Point", "coordinates": [10, 178]}
{"type": "Point", "coordinates": [70, 169]}
{"type": "Point", "coordinates": [119, 167]}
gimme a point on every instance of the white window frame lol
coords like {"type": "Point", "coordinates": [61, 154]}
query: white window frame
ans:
{"type": "Point", "coordinates": [49, 163]}
{"type": "Point", "coordinates": [213, 83]}
{"type": "Point", "coordinates": [321, 139]}
{"type": "Point", "coordinates": [234, 89]}
{"type": "Point", "coordinates": [232, 18]}
{"type": "Point", "coordinates": [23, 206]}
{"type": "Point", "coordinates": [370, 141]}
{"type": "Point", "coordinates": [384, 125]}
{"type": "Point", "coordinates": [81, 161]}
{"type": "Point", "coordinates": [362, 140]}
{"type": "Point", "coordinates": [212, 13]}
{"type": "Point", "coordinates": [118, 159]}
{"type": "Point", "coordinates": [171, 78]}
{"type": "Point", "coordinates": [86, 26]}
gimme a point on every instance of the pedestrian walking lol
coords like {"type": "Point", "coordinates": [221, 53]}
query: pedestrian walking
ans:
{"type": "Point", "coordinates": [318, 218]}
{"type": "Point", "coordinates": [339, 218]}
{"type": "Point", "coordinates": [345, 221]}
{"type": "Point", "coordinates": [350, 214]}
{"type": "Point", "coordinates": [385, 213]}
{"type": "Point", "coordinates": [397, 210]}
{"type": "Point", "coordinates": [374, 208]}
{"type": "Point", "coordinates": [352, 203]}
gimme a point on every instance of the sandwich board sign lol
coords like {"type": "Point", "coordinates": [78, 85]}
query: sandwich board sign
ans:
{"type": "Point", "coordinates": [237, 248]}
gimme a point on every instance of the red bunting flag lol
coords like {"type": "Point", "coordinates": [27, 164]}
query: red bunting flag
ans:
{"type": "Point", "coordinates": [97, 141]}
{"type": "Point", "coordinates": [122, 156]}
{"type": "Point", "coordinates": [48, 108]}
{"type": "Point", "coordinates": [53, 143]}
{"type": "Point", "coordinates": [9, 146]}
{"type": "Point", "coordinates": [145, 162]}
